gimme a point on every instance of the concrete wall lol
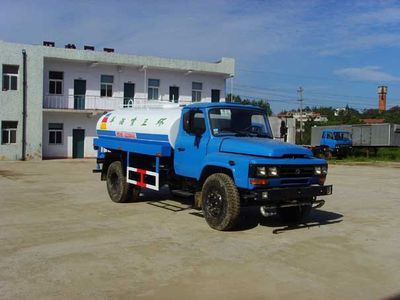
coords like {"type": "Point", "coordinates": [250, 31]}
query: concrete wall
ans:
{"type": "Point", "coordinates": [11, 101]}
{"type": "Point", "coordinates": [86, 121]}
{"type": "Point", "coordinates": [90, 65]}
{"type": "Point", "coordinates": [275, 123]}
{"type": "Point", "coordinates": [82, 70]}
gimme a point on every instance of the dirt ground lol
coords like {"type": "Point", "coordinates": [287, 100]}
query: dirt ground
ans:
{"type": "Point", "coordinates": [62, 237]}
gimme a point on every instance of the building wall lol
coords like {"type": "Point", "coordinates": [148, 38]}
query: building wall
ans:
{"type": "Point", "coordinates": [86, 121]}
{"type": "Point", "coordinates": [90, 65]}
{"type": "Point", "coordinates": [275, 123]}
{"type": "Point", "coordinates": [11, 101]}
{"type": "Point", "coordinates": [122, 74]}
{"type": "Point", "coordinates": [82, 70]}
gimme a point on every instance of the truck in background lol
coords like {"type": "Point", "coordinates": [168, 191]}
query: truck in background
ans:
{"type": "Point", "coordinates": [222, 153]}
{"type": "Point", "coordinates": [369, 136]}
{"type": "Point", "coordinates": [331, 142]}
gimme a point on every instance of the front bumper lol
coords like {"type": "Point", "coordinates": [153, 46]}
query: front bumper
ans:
{"type": "Point", "coordinates": [342, 150]}
{"type": "Point", "coordinates": [278, 195]}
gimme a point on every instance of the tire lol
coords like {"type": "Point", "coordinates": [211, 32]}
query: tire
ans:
{"type": "Point", "coordinates": [328, 155]}
{"type": "Point", "coordinates": [220, 202]}
{"type": "Point", "coordinates": [294, 214]}
{"type": "Point", "coordinates": [118, 189]}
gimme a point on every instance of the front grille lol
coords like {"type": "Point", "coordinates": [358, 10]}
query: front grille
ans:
{"type": "Point", "coordinates": [296, 171]}
{"type": "Point", "coordinates": [294, 181]}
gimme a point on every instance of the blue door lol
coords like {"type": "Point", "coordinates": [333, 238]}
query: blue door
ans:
{"type": "Point", "coordinates": [191, 144]}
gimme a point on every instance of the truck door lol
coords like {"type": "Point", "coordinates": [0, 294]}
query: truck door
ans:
{"type": "Point", "coordinates": [191, 144]}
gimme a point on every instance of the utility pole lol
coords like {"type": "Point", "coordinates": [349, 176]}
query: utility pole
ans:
{"type": "Point", "coordinates": [300, 93]}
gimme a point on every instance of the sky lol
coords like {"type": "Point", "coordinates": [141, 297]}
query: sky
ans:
{"type": "Point", "coordinates": [339, 52]}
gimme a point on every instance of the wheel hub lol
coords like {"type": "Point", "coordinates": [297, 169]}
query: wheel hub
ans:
{"type": "Point", "coordinates": [215, 203]}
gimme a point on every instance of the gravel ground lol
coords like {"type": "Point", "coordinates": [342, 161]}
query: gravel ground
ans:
{"type": "Point", "coordinates": [62, 237]}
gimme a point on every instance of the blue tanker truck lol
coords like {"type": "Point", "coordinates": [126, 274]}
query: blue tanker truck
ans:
{"type": "Point", "coordinates": [222, 153]}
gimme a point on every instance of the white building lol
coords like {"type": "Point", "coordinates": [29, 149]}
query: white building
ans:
{"type": "Point", "coordinates": [67, 90]}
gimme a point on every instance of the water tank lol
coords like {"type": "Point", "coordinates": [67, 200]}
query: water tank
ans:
{"type": "Point", "coordinates": [150, 124]}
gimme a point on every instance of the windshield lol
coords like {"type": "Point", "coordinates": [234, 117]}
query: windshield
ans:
{"type": "Point", "coordinates": [342, 136]}
{"type": "Point", "coordinates": [239, 122]}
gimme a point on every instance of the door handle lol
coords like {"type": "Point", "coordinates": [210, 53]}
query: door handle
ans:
{"type": "Point", "coordinates": [180, 149]}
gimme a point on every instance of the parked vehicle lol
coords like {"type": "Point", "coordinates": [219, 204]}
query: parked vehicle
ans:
{"type": "Point", "coordinates": [331, 142]}
{"type": "Point", "coordinates": [365, 135]}
{"type": "Point", "coordinates": [222, 153]}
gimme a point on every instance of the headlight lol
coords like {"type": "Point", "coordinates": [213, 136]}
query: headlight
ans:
{"type": "Point", "coordinates": [320, 170]}
{"type": "Point", "coordinates": [317, 170]}
{"type": "Point", "coordinates": [261, 171]}
{"type": "Point", "coordinates": [272, 171]}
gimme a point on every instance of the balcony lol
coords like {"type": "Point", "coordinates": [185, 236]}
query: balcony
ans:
{"type": "Point", "coordinates": [86, 102]}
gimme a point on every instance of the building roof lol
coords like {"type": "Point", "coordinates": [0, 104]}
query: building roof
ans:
{"type": "Point", "coordinates": [220, 104]}
{"type": "Point", "coordinates": [336, 130]}
{"type": "Point", "coordinates": [373, 121]}
{"type": "Point", "coordinates": [225, 66]}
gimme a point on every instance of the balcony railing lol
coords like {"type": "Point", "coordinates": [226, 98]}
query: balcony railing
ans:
{"type": "Point", "coordinates": [87, 102]}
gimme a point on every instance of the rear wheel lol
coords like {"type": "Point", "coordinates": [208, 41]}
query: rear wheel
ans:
{"type": "Point", "coordinates": [220, 202]}
{"type": "Point", "coordinates": [294, 214]}
{"type": "Point", "coordinates": [119, 190]}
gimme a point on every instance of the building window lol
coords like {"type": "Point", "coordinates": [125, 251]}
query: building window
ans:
{"type": "Point", "coordinates": [196, 91]}
{"type": "Point", "coordinates": [153, 89]}
{"type": "Point", "coordinates": [55, 133]}
{"type": "Point", "coordinates": [106, 85]}
{"type": "Point", "coordinates": [10, 77]}
{"type": "Point", "coordinates": [56, 83]}
{"type": "Point", "coordinates": [9, 132]}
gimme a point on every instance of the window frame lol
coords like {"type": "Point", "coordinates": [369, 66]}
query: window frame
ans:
{"type": "Point", "coordinates": [56, 81]}
{"type": "Point", "coordinates": [108, 86]}
{"type": "Point", "coordinates": [56, 131]}
{"type": "Point", "coordinates": [153, 88]}
{"type": "Point", "coordinates": [9, 130]}
{"type": "Point", "coordinates": [9, 80]}
{"type": "Point", "coordinates": [196, 92]}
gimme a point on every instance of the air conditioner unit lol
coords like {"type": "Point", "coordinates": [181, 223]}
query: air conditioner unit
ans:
{"type": "Point", "coordinates": [91, 48]}
{"type": "Point", "coordinates": [70, 46]}
{"type": "Point", "coordinates": [48, 44]}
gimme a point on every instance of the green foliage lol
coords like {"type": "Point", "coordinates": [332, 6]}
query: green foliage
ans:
{"type": "Point", "coordinates": [263, 103]}
{"type": "Point", "coordinates": [393, 115]}
{"type": "Point", "coordinates": [382, 154]}
{"type": "Point", "coordinates": [347, 116]}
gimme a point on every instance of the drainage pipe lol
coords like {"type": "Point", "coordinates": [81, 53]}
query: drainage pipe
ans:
{"type": "Point", "coordinates": [24, 104]}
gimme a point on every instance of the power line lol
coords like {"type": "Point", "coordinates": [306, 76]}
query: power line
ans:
{"type": "Point", "coordinates": [309, 92]}
{"type": "Point", "coordinates": [335, 97]}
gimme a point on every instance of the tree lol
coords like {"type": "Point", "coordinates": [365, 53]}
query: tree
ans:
{"type": "Point", "coordinates": [263, 103]}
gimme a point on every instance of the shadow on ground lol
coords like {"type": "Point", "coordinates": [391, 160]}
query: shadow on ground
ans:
{"type": "Point", "coordinates": [250, 217]}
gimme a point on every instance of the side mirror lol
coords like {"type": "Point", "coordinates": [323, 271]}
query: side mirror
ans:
{"type": "Point", "coordinates": [186, 122]}
{"type": "Point", "coordinates": [194, 123]}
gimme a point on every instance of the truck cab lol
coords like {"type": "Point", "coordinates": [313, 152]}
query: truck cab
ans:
{"type": "Point", "coordinates": [226, 156]}
{"type": "Point", "coordinates": [237, 141]}
{"type": "Point", "coordinates": [337, 141]}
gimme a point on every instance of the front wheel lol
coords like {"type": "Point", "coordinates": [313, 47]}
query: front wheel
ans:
{"type": "Point", "coordinates": [294, 214]}
{"type": "Point", "coordinates": [220, 202]}
{"type": "Point", "coordinates": [118, 189]}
